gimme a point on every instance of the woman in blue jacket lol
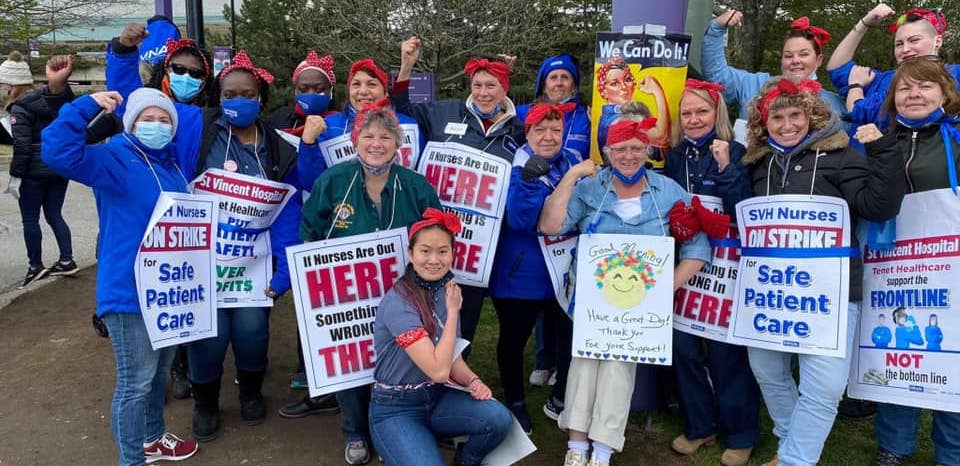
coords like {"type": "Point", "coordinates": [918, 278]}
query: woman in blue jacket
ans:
{"type": "Point", "coordinates": [706, 160]}
{"type": "Point", "coordinates": [558, 82]}
{"type": "Point", "coordinates": [520, 284]}
{"type": "Point", "coordinates": [127, 175]}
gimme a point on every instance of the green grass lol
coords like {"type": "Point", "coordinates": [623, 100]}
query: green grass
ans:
{"type": "Point", "coordinates": [649, 434]}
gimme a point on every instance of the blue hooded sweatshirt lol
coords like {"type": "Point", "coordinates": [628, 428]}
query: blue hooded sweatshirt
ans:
{"type": "Point", "coordinates": [519, 269]}
{"type": "Point", "coordinates": [310, 163]}
{"type": "Point", "coordinates": [153, 49]}
{"type": "Point", "coordinates": [125, 190]}
{"type": "Point", "coordinates": [576, 125]}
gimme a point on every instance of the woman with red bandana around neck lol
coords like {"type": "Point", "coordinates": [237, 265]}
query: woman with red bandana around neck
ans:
{"type": "Point", "coordinates": [326, 138]}
{"type": "Point", "coordinates": [801, 56]}
{"type": "Point", "coordinates": [485, 120]}
{"type": "Point", "coordinates": [796, 146]}
{"type": "Point", "coordinates": [917, 32]}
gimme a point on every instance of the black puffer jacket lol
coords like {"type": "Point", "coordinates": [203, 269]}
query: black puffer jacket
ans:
{"type": "Point", "coordinates": [825, 165]}
{"type": "Point", "coordinates": [28, 116]}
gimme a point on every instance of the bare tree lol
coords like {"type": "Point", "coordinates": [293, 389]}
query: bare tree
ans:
{"type": "Point", "coordinates": [23, 19]}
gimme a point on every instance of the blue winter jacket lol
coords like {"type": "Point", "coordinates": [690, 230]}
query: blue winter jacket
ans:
{"type": "Point", "coordinates": [125, 190]}
{"type": "Point", "coordinates": [195, 133]}
{"type": "Point", "coordinates": [694, 169]}
{"type": "Point", "coordinates": [742, 86]}
{"type": "Point", "coordinates": [311, 165]}
{"type": "Point", "coordinates": [519, 269]}
{"type": "Point", "coordinates": [870, 108]}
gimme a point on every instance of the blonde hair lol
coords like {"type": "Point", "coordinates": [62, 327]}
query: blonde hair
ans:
{"type": "Point", "coordinates": [721, 122]}
{"type": "Point", "coordinates": [812, 105]}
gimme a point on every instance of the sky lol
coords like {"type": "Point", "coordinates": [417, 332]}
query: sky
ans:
{"type": "Point", "coordinates": [145, 7]}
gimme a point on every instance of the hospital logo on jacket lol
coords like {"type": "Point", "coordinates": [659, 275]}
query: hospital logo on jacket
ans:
{"type": "Point", "coordinates": [344, 214]}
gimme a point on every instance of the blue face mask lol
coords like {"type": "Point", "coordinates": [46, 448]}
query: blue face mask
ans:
{"type": "Point", "coordinates": [934, 117]}
{"type": "Point", "coordinates": [630, 180]}
{"type": "Point", "coordinates": [240, 112]}
{"type": "Point", "coordinates": [313, 104]}
{"type": "Point", "coordinates": [699, 142]}
{"type": "Point", "coordinates": [184, 87]}
{"type": "Point", "coordinates": [486, 116]}
{"type": "Point", "coordinates": [154, 134]}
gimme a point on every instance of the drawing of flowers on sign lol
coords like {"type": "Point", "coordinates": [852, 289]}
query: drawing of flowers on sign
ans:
{"type": "Point", "coordinates": [625, 277]}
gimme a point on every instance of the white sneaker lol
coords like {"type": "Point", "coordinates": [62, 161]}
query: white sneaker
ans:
{"type": "Point", "coordinates": [539, 377]}
{"type": "Point", "coordinates": [574, 458]}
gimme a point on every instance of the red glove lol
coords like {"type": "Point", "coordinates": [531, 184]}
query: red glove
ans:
{"type": "Point", "coordinates": [715, 225]}
{"type": "Point", "coordinates": [683, 222]}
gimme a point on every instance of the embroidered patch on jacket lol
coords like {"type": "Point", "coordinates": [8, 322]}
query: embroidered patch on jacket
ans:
{"type": "Point", "coordinates": [344, 214]}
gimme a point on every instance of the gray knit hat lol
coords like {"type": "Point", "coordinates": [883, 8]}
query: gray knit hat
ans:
{"type": "Point", "coordinates": [14, 71]}
{"type": "Point", "coordinates": [144, 98]}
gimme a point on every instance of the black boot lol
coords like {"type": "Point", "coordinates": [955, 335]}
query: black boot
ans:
{"type": "Point", "coordinates": [178, 374]}
{"type": "Point", "coordinates": [252, 409]}
{"type": "Point", "coordinates": [206, 410]}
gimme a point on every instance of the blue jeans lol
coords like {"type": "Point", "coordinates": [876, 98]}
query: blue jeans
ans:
{"type": "Point", "coordinates": [406, 424]}
{"type": "Point", "coordinates": [355, 406]}
{"type": "Point", "coordinates": [136, 413]}
{"type": "Point", "coordinates": [48, 194]}
{"type": "Point", "coordinates": [802, 420]}
{"type": "Point", "coordinates": [897, 432]}
{"type": "Point", "coordinates": [247, 328]}
{"type": "Point", "coordinates": [720, 394]}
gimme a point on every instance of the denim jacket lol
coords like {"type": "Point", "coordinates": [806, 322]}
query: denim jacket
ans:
{"type": "Point", "coordinates": [591, 211]}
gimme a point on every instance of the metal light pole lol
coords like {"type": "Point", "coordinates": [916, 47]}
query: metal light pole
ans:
{"type": "Point", "coordinates": [195, 22]}
{"type": "Point", "coordinates": [233, 27]}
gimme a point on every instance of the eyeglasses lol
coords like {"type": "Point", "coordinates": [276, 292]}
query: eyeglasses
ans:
{"type": "Point", "coordinates": [635, 150]}
{"type": "Point", "coordinates": [193, 72]}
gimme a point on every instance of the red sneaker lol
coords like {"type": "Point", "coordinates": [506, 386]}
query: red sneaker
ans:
{"type": "Point", "coordinates": [169, 447]}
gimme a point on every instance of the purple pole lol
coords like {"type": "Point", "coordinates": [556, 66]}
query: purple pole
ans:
{"type": "Point", "coordinates": [163, 7]}
{"type": "Point", "coordinates": [673, 14]}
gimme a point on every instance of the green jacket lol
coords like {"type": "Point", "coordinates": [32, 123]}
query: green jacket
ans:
{"type": "Point", "coordinates": [927, 169]}
{"type": "Point", "coordinates": [404, 198]}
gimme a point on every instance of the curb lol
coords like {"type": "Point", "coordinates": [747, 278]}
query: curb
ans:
{"type": "Point", "coordinates": [8, 297]}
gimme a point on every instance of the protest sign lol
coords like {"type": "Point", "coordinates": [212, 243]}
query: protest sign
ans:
{"type": "Point", "coordinates": [558, 252]}
{"type": "Point", "coordinates": [248, 206]}
{"type": "Point", "coordinates": [622, 310]}
{"type": "Point", "coordinates": [337, 286]}
{"type": "Point", "coordinates": [703, 305]}
{"type": "Point", "coordinates": [340, 149]}
{"type": "Point", "coordinates": [174, 270]}
{"type": "Point", "coordinates": [904, 351]}
{"type": "Point", "coordinates": [646, 68]}
{"type": "Point", "coordinates": [794, 274]}
{"type": "Point", "coordinates": [472, 184]}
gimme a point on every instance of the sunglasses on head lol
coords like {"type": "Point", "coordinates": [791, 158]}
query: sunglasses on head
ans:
{"type": "Point", "coordinates": [180, 69]}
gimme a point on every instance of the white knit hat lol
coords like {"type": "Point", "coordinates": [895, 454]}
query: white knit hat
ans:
{"type": "Point", "coordinates": [14, 71]}
{"type": "Point", "coordinates": [144, 98]}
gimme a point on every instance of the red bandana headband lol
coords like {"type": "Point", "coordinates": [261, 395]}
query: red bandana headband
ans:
{"type": "Point", "coordinates": [382, 104]}
{"type": "Point", "coordinates": [540, 111]}
{"type": "Point", "coordinates": [786, 87]}
{"type": "Point", "coordinates": [934, 17]}
{"type": "Point", "coordinates": [713, 89]}
{"type": "Point", "coordinates": [820, 36]}
{"type": "Point", "coordinates": [625, 130]}
{"type": "Point", "coordinates": [174, 46]}
{"type": "Point", "coordinates": [314, 62]}
{"type": "Point", "coordinates": [242, 62]}
{"type": "Point", "coordinates": [448, 220]}
{"type": "Point", "coordinates": [498, 69]}
{"type": "Point", "coordinates": [613, 63]}
{"type": "Point", "coordinates": [368, 65]}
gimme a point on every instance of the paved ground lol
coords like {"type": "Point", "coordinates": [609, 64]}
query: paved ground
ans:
{"type": "Point", "coordinates": [78, 210]}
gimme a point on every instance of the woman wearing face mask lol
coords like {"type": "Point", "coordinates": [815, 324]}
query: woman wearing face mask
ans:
{"type": "Point", "coordinates": [127, 174]}
{"type": "Point", "coordinates": [800, 58]}
{"type": "Point", "coordinates": [236, 140]}
{"type": "Point", "coordinates": [366, 83]}
{"type": "Point", "coordinates": [796, 146]}
{"type": "Point", "coordinates": [415, 336]}
{"type": "Point", "coordinates": [371, 193]}
{"type": "Point", "coordinates": [485, 120]}
{"type": "Point", "coordinates": [520, 284]}
{"type": "Point", "coordinates": [313, 82]}
{"type": "Point", "coordinates": [706, 160]}
{"type": "Point", "coordinates": [625, 198]}
{"type": "Point", "coordinates": [917, 32]}
{"type": "Point", "coordinates": [921, 105]}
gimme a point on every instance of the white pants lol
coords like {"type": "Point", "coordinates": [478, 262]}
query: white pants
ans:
{"type": "Point", "coordinates": [598, 399]}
